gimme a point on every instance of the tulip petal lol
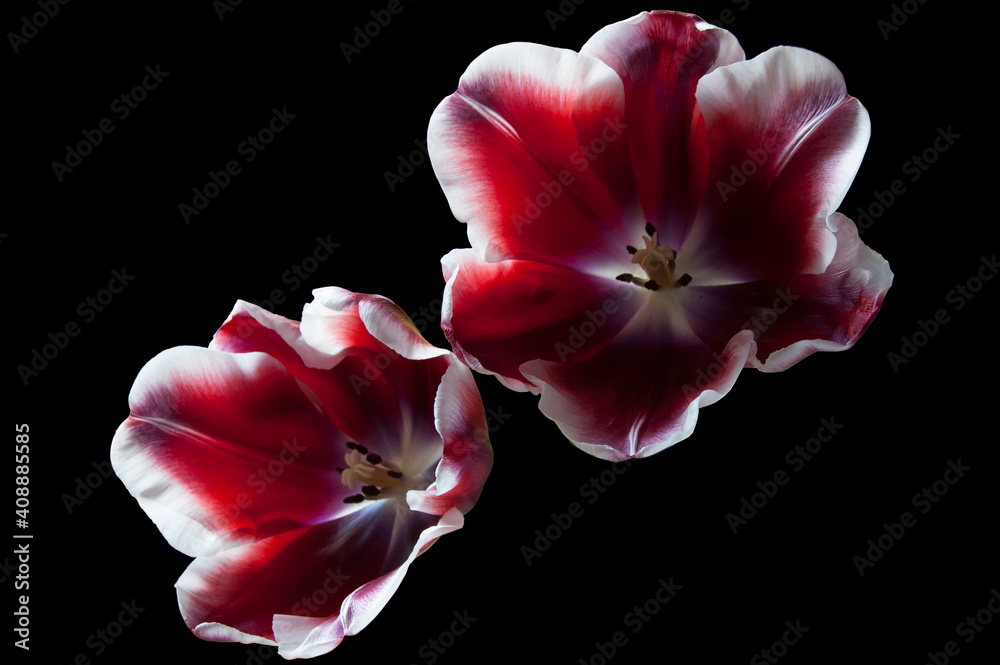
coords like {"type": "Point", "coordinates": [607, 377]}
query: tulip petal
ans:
{"type": "Point", "coordinates": [382, 318]}
{"type": "Point", "coordinates": [467, 457]}
{"type": "Point", "coordinates": [316, 573]}
{"type": "Point", "coordinates": [552, 313]}
{"type": "Point", "coordinates": [300, 637]}
{"type": "Point", "coordinates": [796, 317]}
{"type": "Point", "coordinates": [642, 392]}
{"type": "Point", "coordinates": [222, 449]}
{"type": "Point", "coordinates": [660, 57]}
{"type": "Point", "coordinates": [391, 366]}
{"type": "Point", "coordinates": [786, 142]}
{"type": "Point", "coordinates": [529, 154]}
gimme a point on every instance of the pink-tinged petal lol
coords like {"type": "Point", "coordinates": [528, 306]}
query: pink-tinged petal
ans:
{"type": "Point", "coordinates": [786, 142]}
{"type": "Point", "coordinates": [222, 449]}
{"type": "Point", "coordinates": [642, 392]}
{"type": "Point", "coordinates": [315, 572]}
{"type": "Point", "coordinates": [500, 315]}
{"type": "Point", "coordinates": [371, 393]}
{"type": "Point", "coordinates": [382, 318]}
{"type": "Point", "coordinates": [529, 152]}
{"type": "Point", "coordinates": [660, 57]}
{"type": "Point", "coordinates": [300, 637]}
{"type": "Point", "coordinates": [467, 457]}
{"type": "Point", "coordinates": [832, 310]}
{"type": "Point", "coordinates": [251, 328]}
{"type": "Point", "coordinates": [390, 367]}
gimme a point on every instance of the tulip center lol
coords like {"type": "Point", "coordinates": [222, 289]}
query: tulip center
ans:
{"type": "Point", "coordinates": [657, 261]}
{"type": "Point", "coordinates": [377, 476]}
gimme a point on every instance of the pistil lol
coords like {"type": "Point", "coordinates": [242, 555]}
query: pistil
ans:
{"type": "Point", "coordinates": [374, 473]}
{"type": "Point", "coordinates": [657, 261]}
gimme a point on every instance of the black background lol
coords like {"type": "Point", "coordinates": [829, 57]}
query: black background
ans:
{"type": "Point", "coordinates": [324, 176]}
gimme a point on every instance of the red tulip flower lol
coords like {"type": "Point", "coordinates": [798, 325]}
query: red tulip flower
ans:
{"type": "Point", "coordinates": [305, 465]}
{"type": "Point", "coordinates": [648, 217]}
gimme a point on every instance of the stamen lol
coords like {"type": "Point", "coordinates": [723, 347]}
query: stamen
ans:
{"type": "Point", "coordinates": [651, 285]}
{"type": "Point", "coordinates": [684, 280]}
{"type": "Point", "coordinates": [371, 471]}
{"type": "Point", "coordinates": [624, 277]}
{"type": "Point", "coordinates": [650, 229]}
{"type": "Point", "coordinates": [355, 498]}
{"type": "Point", "coordinates": [351, 445]}
{"type": "Point", "coordinates": [631, 249]}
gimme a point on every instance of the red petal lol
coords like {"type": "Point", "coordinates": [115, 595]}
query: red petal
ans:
{"type": "Point", "coordinates": [642, 392]}
{"type": "Point", "coordinates": [222, 448]}
{"type": "Point", "coordinates": [792, 318]}
{"type": "Point", "coordinates": [467, 457]}
{"type": "Point", "coordinates": [529, 154]}
{"type": "Point", "coordinates": [308, 572]}
{"type": "Point", "coordinates": [786, 141]}
{"type": "Point", "coordinates": [370, 392]}
{"type": "Point", "coordinates": [660, 57]}
{"type": "Point", "coordinates": [500, 315]}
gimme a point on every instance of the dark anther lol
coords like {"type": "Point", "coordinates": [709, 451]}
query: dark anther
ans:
{"type": "Point", "coordinates": [650, 229]}
{"type": "Point", "coordinates": [631, 249]}
{"type": "Point", "coordinates": [373, 458]}
{"type": "Point", "coordinates": [624, 277]}
{"type": "Point", "coordinates": [355, 498]}
{"type": "Point", "coordinates": [351, 445]}
{"type": "Point", "coordinates": [395, 474]}
{"type": "Point", "coordinates": [362, 449]}
{"type": "Point", "coordinates": [684, 280]}
{"type": "Point", "coordinates": [651, 285]}
{"type": "Point", "coordinates": [370, 490]}
{"type": "Point", "coordinates": [340, 469]}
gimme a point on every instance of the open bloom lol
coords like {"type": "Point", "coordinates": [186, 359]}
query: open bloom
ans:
{"type": "Point", "coordinates": [304, 465]}
{"type": "Point", "coordinates": [647, 217]}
